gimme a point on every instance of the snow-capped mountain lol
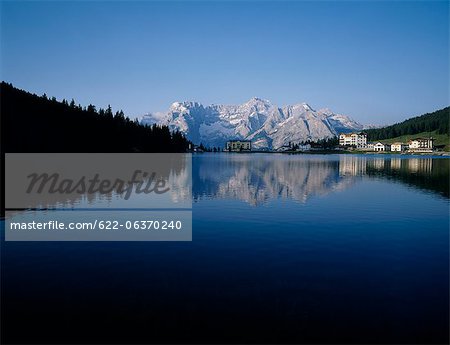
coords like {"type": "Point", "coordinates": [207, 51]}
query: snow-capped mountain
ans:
{"type": "Point", "coordinates": [258, 120]}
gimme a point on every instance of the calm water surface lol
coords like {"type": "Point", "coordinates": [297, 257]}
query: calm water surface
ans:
{"type": "Point", "coordinates": [294, 249]}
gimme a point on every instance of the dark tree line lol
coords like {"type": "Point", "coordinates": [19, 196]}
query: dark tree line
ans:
{"type": "Point", "coordinates": [326, 143]}
{"type": "Point", "coordinates": [436, 121]}
{"type": "Point", "coordinates": [209, 148]}
{"type": "Point", "coordinates": [32, 123]}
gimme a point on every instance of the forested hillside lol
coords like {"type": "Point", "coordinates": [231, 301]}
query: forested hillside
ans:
{"type": "Point", "coordinates": [437, 121]}
{"type": "Point", "coordinates": [32, 123]}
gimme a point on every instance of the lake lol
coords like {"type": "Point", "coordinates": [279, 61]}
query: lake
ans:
{"type": "Point", "coordinates": [285, 249]}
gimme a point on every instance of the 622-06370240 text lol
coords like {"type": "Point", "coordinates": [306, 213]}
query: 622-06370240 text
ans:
{"type": "Point", "coordinates": [100, 225]}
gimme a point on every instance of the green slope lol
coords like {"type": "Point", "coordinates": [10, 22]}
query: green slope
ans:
{"type": "Point", "coordinates": [440, 139]}
{"type": "Point", "coordinates": [435, 122]}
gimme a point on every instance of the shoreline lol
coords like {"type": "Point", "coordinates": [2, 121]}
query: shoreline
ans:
{"type": "Point", "coordinates": [331, 152]}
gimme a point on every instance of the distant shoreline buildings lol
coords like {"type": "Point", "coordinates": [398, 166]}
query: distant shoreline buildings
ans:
{"type": "Point", "coordinates": [351, 141]}
{"type": "Point", "coordinates": [238, 145]}
{"type": "Point", "coordinates": [359, 141]}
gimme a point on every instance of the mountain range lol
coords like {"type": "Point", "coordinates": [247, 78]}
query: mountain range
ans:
{"type": "Point", "coordinates": [265, 124]}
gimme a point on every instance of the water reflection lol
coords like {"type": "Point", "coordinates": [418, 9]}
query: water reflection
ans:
{"type": "Point", "coordinates": [352, 166]}
{"type": "Point", "coordinates": [256, 178]}
{"type": "Point", "coordinates": [425, 173]}
{"type": "Point", "coordinates": [99, 181]}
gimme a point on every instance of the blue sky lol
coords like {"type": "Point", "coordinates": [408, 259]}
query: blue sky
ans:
{"type": "Point", "coordinates": [379, 62]}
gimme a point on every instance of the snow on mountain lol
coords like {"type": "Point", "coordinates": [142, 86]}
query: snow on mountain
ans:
{"type": "Point", "coordinates": [152, 118]}
{"type": "Point", "coordinates": [258, 120]}
{"type": "Point", "coordinates": [373, 126]}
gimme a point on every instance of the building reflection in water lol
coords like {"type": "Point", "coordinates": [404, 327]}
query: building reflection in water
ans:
{"type": "Point", "coordinates": [396, 163]}
{"type": "Point", "coordinates": [350, 165]}
{"type": "Point", "coordinates": [420, 165]}
{"type": "Point", "coordinates": [376, 163]}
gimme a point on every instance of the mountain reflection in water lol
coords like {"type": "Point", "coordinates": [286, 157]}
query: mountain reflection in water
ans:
{"type": "Point", "coordinates": [257, 178]}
